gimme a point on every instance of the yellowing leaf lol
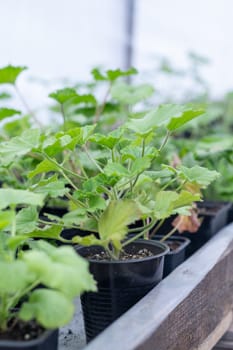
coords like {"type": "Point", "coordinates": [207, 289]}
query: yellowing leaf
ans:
{"type": "Point", "coordinates": [115, 219]}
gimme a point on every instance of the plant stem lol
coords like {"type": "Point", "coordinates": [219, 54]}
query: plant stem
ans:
{"type": "Point", "coordinates": [69, 180]}
{"type": "Point", "coordinates": [13, 226]}
{"type": "Point", "coordinates": [3, 313]}
{"type": "Point", "coordinates": [18, 92]}
{"type": "Point", "coordinates": [75, 201]}
{"type": "Point", "coordinates": [61, 167]}
{"type": "Point", "coordinates": [92, 159]}
{"type": "Point", "coordinates": [62, 225]}
{"type": "Point", "coordinates": [63, 116]}
{"type": "Point", "coordinates": [156, 228]}
{"type": "Point", "coordinates": [169, 234]}
{"type": "Point", "coordinates": [143, 153]}
{"type": "Point", "coordinates": [137, 229]}
{"type": "Point", "coordinates": [164, 141]}
{"type": "Point", "coordinates": [168, 184]}
{"type": "Point", "coordinates": [139, 234]}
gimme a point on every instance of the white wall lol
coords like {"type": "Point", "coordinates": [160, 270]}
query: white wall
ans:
{"type": "Point", "coordinates": [173, 27]}
{"type": "Point", "coordinates": [65, 38]}
{"type": "Point", "coordinates": [60, 38]}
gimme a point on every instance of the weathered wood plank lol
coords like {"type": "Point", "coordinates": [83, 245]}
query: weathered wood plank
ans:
{"type": "Point", "coordinates": [217, 333]}
{"type": "Point", "coordinates": [184, 309]}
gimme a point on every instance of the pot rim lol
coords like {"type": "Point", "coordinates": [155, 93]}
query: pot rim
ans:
{"type": "Point", "coordinates": [24, 344]}
{"type": "Point", "coordinates": [184, 242]}
{"type": "Point", "coordinates": [163, 246]}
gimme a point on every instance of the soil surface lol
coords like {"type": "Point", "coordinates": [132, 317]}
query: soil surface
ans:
{"type": "Point", "coordinates": [141, 254]}
{"type": "Point", "coordinates": [24, 331]}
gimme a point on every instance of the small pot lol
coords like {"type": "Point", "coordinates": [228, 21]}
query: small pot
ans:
{"type": "Point", "coordinates": [214, 219]}
{"type": "Point", "coordinates": [121, 284]}
{"type": "Point", "coordinates": [47, 341]}
{"type": "Point", "coordinates": [174, 257]}
{"type": "Point", "coordinates": [230, 215]}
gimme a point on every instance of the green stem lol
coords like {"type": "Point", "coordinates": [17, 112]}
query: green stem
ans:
{"type": "Point", "coordinates": [170, 233]}
{"type": "Point", "coordinates": [69, 180]}
{"type": "Point", "coordinates": [138, 229]}
{"type": "Point", "coordinates": [168, 184]}
{"type": "Point", "coordinates": [156, 228]}
{"type": "Point", "coordinates": [110, 253]}
{"type": "Point", "coordinates": [61, 167]}
{"type": "Point", "coordinates": [92, 159]}
{"type": "Point", "coordinates": [139, 234]}
{"type": "Point", "coordinates": [62, 225]}
{"type": "Point", "coordinates": [63, 116]}
{"type": "Point", "coordinates": [13, 226]}
{"type": "Point", "coordinates": [164, 141]}
{"type": "Point", "coordinates": [3, 313]}
{"type": "Point", "coordinates": [75, 201]}
{"type": "Point", "coordinates": [14, 301]}
{"type": "Point", "coordinates": [143, 153]}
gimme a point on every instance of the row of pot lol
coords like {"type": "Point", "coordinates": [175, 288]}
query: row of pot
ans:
{"type": "Point", "coordinates": [122, 283]}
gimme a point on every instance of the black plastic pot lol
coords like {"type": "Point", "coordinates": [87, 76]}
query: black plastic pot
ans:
{"type": "Point", "coordinates": [47, 341]}
{"type": "Point", "coordinates": [121, 284]}
{"type": "Point", "coordinates": [230, 214]}
{"type": "Point", "coordinates": [215, 217]}
{"type": "Point", "coordinates": [174, 257]}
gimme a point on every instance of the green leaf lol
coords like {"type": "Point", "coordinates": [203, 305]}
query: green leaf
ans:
{"type": "Point", "coordinates": [113, 222]}
{"type": "Point", "coordinates": [10, 196]}
{"type": "Point", "coordinates": [60, 268]}
{"type": "Point", "coordinates": [14, 276]}
{"type": "Point", "coordinates": [9, 74]}
{"type": "Point", "coordinates": [87, 240]}
{"type": "Point", "coordinates": [214, 144]}
{"type": "Point", "coordinates": [112, 75]}
{"type": "Point", "coordinates": [130, 94]}
{"type": "Point", "coordinates": [43, 167]}
{"type": "Point", "coordinates": [50, 232]}
{"type": "Point", "coordinates": [170, 116]}
{"type": "Point", "coordinates": [164, 204]}
{"type": "Point", "coordinates": [140, 164]}
{"type": "Point", "coordinates": [96, 202]}
{"type": "Point", "coordinates": [6, 218]}
{"type": "Point", "coordinates": [115, 169]}
{"type": "Point", "coordinates": [64, 95]}
{"type": "Point", "coordinates": [199, 175]}
{"type": "Point", "coordinates": [19, 146]}
{"type": "Point", "coordinates": [26, 220]}
{"type": "Point", "coordinates": [87, 99]}
{"type": "Point", "coordinates": [64, 141]}
{"type": "Point", "coordinates": [7, 112]}
{"type": "Point", "coordinates": [52, 187]}
{"type": "Point", "coordinates": [5, 96]}
{"type": "Point", "coordinates": [185, 199]}
{"type": "Point", "coordinates": [74, 217]}
{"type": "Point", "coordinates": [17, 127]}
{"type": "Point", "coordinates": [109, 140]}
{"type": "Point", "coordinates": [49, 308]}
{"type": "Point", "coordinates": [15, 241]}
